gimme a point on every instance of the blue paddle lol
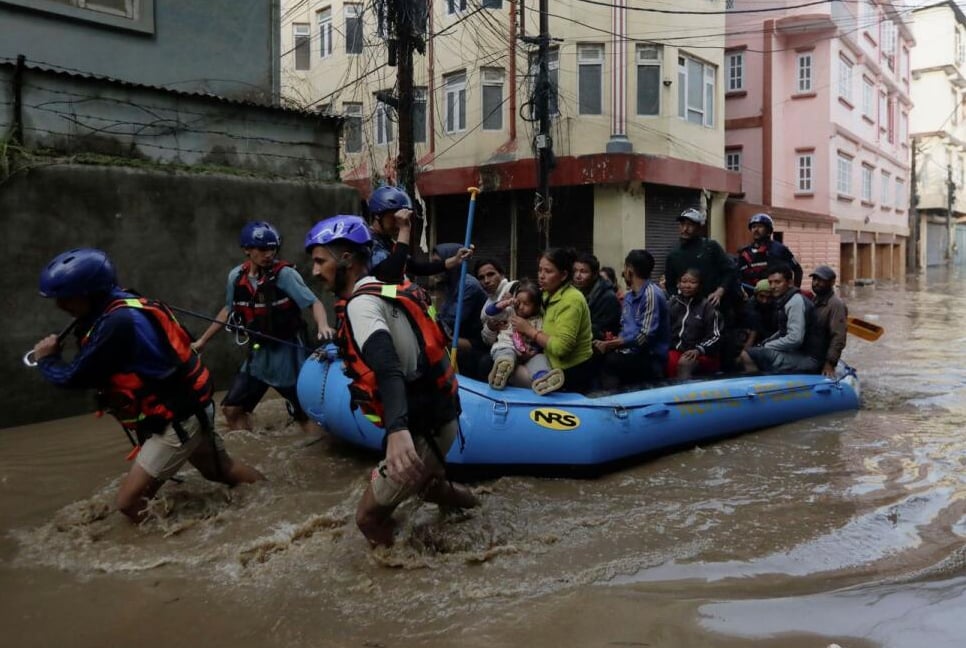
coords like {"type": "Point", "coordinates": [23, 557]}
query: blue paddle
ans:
{"type": "Point", "coordinates": [463, 265]}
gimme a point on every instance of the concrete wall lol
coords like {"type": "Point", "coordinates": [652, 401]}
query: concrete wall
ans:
{"type": "Point", "coordinates": [75, 114]}
{"type": "Point", "coordinates": [225, 47]}
{"type": "Point", "coordinates": [173, 236]}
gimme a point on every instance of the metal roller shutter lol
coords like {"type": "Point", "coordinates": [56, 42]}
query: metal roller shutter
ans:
{"type": "Point", "coordinates": [936, 237]}
{"type": "Point", "coordinates": [662, 206]}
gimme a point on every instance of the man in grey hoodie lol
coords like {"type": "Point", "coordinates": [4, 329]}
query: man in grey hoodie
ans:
{"type": "Point", "coordinates": [796, 346]}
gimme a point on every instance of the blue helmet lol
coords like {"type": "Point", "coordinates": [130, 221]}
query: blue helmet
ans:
{"type": "Point", "coordinates": [259, 234]}
{"type": "Point", "coordinates": [761, 219]}
{"type": "Point", "coordinates": [338, 228]}
{"type": "Point", "coordinates": [388, 198]}
{"type": "Point", "coordinates": [82, 271]}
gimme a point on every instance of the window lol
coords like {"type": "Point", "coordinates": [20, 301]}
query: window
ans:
{"type": "Point", "coordinates": [454, 6]}
{"type": "Point", "coordinates": [900, 193]}
{"type": "Point", "coordinates": [130, 15]}
{"type": "Point", "coordinates": [959, 47]}
{"type": "Point", "coordinates": [892, 120]}
{"type": "Point", "coordinates": [867, 183]}
{"type": "Point", "coordinates": [883, 107]}
{"type": "Point", "coordinates": [325, 32]}
{"type": "Point", "coordinates": [353, 29]}
{"type": "Point", "coordinates": [455, 102]}
{"type": "Point", "coordinates": [383, 123]}
{"type": "Point", "coordinates": [889, 31]}
{"type": "Point", "coordinates": [804, 72]}
{"type": "Point", "coordinates": [553, 67]}
{"type": "Point", "coordinates": [492, 99]}
{"type": "Point", "coordinates": [844, 181]}
{"type": "Point", "coordinates": [736, 71]}
{"type": "Point", "coordinates": [590, 78]}
{"type": "Point", "coordinates": [805, 166]}
{"type": "Point", "coordinates": [733, 160]}
{"type": "Point", "coordinates": [885, 181]}
{"type": "Point", "coordinates": [491, 4]}
{"type": "Point", "coordinates": [868, 97]}
{"type": "Point", "coordinates": [419, 114]}
{"type": "Point", "coordinates": [303, 53]}
{"type": "Point", "coordinates": [352, 128]}
{"type": "Point", "coordinates": [696, 91]}
{"type": "Point", "coordinates": [648, 80]}
{"type": "Point", "coordinates": [845, 79]}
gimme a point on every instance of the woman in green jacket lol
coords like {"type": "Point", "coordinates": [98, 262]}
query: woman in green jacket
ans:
{"type": "Point", "coordinates": [566, 334]}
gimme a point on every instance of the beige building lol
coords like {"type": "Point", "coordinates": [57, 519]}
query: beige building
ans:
{"type": "Point", "coordinates": [638, 129]}
{"type": "Point", "coordinates": [938, 129]}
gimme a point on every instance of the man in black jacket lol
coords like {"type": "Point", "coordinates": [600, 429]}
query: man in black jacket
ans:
{"type": "Point", "coordinates": [601, 296]}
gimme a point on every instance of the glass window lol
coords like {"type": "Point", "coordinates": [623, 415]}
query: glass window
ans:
{"type": "Point", "coordinates": [868, 97]}
{"type": "Point", "coordinates": [696, 91]}
{"type": "Point", "coordinates": [590, 78]}
{"type": "Point", "coordinates": [419, 114]}
{"type": "Point", "coordinates": [736, 71]}
{"type": "Point", "coordinates": [352, 127]}
{"type": "Point", "coordinates": [804, 72]}
{"type": "Point", "coordinates": [325, 32]}
{"type": "Point", "coordinates": [845, 79]}
{"type": "Point", "coordinates": [648, 80]}
{"type": "Point", "coordinates": [733, 160]}
{"type": "Point", "coordinates": [493, 99]}
{"type": "Point", "coordinates": [454, 6]}
{"type": "Point", "coordinates": [353, 29]}
{"type": "Point", "coordinates": [383, 124]}
{"type": "Point", "coordinates": [553, 68]}
{"type": "Point", "coordinates": [844, 181]}
{"type": "Point", "coordinates": [303, 53]}
{"type": "Point", "coordinates": [805, 172]}
{"type": "Point", "coordinates": [455, 117]}
{"type": "Point", "coordinates": [886, 182]}
{"type": "Point", "coordinates": [867, 183]}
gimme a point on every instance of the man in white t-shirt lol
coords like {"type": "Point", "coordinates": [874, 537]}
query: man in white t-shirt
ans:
{"type": "Point", "coordinates": [396, 357]}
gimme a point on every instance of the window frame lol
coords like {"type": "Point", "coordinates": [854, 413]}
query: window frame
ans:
{"type": "Point", "coordinates": [733, 160]}
{"type": "Point", "coordinates": [302, 45]}
{"type": "Point", "coordinates": [455, 7]}
{"type": "Point", "coordinates": [684, 107]}
{"type": "Point", "coordinates": [736, 72]}
{"type": "Point", "coordinates": [383, 134]}
{"type": "Point", "coordinates": [139, 18]}
{"type": "Point", "coordinates": [805, 172]}
{"type": "Point", "coordinates": [492, 78]}
{"type": "Point", "coordinates": [641, 62]}
{"type": "Point", "coordinates": [843, 181]}
{"type": "Point", "coordinates": [846, 68]}
{"type": "Point", "coordinates": [420, 97]}
{"type": "Point", "coordinates": [885, 179]}
{"type": "Point", "coordinates": [868, 97]}
{"type": "Point", "coordinates": [454, 85]}
{"type": "Point", "coordinates": [804, 82]}
{"type": "Point", "coordinates": [866, 185]}
{"type": "Point", "coordinates": [347, 14]}
{"type": "Point", "coordinates": [351, 110]}
{"type": "Point", "coordinates": [582, 63]}
{"type": "Point", "coordinates": [324, 21]}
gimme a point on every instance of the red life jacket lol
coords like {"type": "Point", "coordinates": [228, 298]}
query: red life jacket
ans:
{"type": "Point", "coordinates": [266, 308]}
{"type": "Point", "coordinates": [147, 406]}
{"type": "Point", "coordinates": [429, 336]}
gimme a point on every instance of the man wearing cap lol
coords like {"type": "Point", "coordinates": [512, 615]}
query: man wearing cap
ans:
{"type": "Point", "coordinates": [704, 255]}
{"type": "Point", "coordinates": [758, 316]}
{"type": "Point", "coordinates": [831, 314]}
{"type": "Point", "coordinates": [764, 252]}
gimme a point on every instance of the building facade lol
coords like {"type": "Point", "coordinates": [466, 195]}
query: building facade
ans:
{"type": "Point", "coordinates": [637, 129]}
{"type": "Point", "coordinates": [939, 132]}
{"type": "Point", "coordinates": [817, 107]}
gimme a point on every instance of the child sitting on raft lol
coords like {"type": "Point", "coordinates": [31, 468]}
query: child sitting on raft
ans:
{"type": "Point", "coordinates": [513, 355]}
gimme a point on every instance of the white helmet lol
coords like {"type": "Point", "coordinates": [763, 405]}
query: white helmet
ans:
{"type": "Point", "coordinates": [693, 215]}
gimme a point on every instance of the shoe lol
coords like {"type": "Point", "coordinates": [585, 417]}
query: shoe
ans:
{"type": "Point", "coordinates": [501, 372]}
{"type": "Point", "coordinates": [547, 382]}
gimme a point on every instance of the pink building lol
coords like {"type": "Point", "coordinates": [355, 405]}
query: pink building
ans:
{"type": "Point", "coordinates": [817, 121]}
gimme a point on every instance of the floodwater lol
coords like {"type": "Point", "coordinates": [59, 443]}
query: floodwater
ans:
{"type": "Point", "coordinates": [845, 530]}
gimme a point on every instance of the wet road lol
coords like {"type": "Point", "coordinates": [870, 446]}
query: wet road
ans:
{"type": "Point", "coordinates": [846, 529]}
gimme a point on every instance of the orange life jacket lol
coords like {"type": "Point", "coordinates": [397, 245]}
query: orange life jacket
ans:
{"type": "Point", "coordinates": [429, 336]}
{"type": "Point", "coordinates": [266, 308]}
{"type": "Point", "coordinates": [147, 406]}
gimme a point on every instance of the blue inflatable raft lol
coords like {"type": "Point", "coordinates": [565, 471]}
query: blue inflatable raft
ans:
{"type": "Point", "coordinates": [515, 431]}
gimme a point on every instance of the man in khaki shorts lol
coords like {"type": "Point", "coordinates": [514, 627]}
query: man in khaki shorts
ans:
{"type": "Point", "coordinates": [396, 357]}
{"type": "Point", "coordinates": [139, 358]}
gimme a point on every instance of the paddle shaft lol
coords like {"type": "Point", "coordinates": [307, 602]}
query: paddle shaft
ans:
{"type": "Point", "coordinates": [463, 267]}
{"type": "Point", "coordinates": [236, 327]}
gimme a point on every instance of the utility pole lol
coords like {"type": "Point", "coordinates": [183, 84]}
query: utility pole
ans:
{"type": "Point", "coordinates": [913, 261]}
{"type": "Point", "coordinates": [542, 206]}
{"type": "Point", "coordinates": [950, 201]}
{"type": "Point", "coordinates": [404, 11]}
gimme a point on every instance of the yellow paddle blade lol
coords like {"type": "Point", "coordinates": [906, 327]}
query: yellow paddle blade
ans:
{"type": "Point", "coordinates": [863, 329]}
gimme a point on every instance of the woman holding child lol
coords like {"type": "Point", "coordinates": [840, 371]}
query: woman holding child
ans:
{"type": "Point", "coordinates": [566, 334]}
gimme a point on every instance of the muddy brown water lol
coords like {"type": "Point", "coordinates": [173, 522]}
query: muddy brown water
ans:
{"type": "Point", "coordinates": [845, 530]}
